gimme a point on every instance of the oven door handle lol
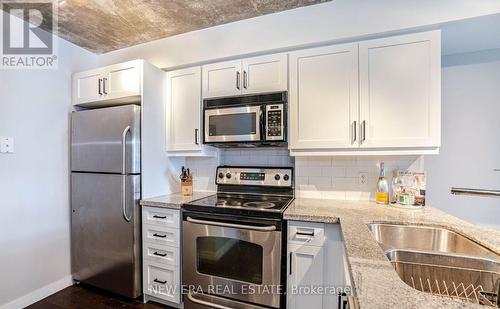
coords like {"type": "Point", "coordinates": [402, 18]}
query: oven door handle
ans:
{"type": "Point", "coordinates": [268, 228]}
{"type": "Point", "coordinates": [206, 303]}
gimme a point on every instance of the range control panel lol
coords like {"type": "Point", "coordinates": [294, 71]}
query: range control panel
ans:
{"type": "Point", "coordinates": [274, 122]}
{"type": "Point", "coordinates": [254, 176]}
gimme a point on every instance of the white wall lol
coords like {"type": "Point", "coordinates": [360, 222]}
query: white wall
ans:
{"type": "Point", "coordinates": [470, 148]}
{"type": "Point", "coordinates": [34, 181]}
{"type": "Point", "coordinates": [332, 21]}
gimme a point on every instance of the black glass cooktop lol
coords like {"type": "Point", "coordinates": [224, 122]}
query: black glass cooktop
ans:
{"type": "Point", "coordinates": [265, 205]}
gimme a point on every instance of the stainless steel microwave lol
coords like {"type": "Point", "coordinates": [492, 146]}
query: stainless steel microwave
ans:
{"type": "Point", "coordinates": [246, 121]}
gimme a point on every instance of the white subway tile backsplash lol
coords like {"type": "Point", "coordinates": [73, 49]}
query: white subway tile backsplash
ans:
{"type": "Point", "coordinates": [315, 177]}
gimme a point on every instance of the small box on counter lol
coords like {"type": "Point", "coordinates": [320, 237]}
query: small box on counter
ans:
{"type": "Point", "coordinates": [408, 188]}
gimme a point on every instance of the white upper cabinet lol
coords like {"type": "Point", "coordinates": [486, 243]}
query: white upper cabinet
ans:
{"type": "Point", "coordinates": [111, 85]}
{"type": "Point", "coordinates": [222, 79]}
{"type": "Point", "coordinates": [183, 109]}
{"type": "Point", "coordinates": [400, 96]}
{"type": "Point", "coordinates": [324, 97]}
{"type": "Point", "coordinates": [397, 111]}
{"type": "Point", "coordinates": [247, 76]}
{"type": "Point", "coordinates": [265, 74]}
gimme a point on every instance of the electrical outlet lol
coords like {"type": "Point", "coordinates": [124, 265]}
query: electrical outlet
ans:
{"type": "Point", "coordinates": [6, 145]}
{"type": "Point", "coordinates": [363, 178]}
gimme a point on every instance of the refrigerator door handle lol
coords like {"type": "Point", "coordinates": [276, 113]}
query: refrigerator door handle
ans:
{"type": "Point", "coordinates": [124, 176]}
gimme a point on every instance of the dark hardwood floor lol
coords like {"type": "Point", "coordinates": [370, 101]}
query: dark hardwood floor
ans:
{"type": "Point", "coordinates": [83, 297]}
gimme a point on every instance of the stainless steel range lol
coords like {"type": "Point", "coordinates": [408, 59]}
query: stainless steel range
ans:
{"type": "Point", "coordinates": [234, 241]}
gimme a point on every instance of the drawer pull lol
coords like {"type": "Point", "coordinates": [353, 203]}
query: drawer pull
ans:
{"type": "Point", "coordinates": [159, 217]}
{"type": "Point", "coordinates": [159, 281]}
{"type": "Point", "coordinates": [159, 235]}
{"type": "Point", "coordinates": [310, 234]}
{"type": "Point", "coordinates": [159, 254]}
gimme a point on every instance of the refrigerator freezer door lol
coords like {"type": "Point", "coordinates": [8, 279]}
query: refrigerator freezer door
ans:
{"type": "Point", "coordinates": [102, 138]}
{"type": "Point", "coordinates": [105, 247]}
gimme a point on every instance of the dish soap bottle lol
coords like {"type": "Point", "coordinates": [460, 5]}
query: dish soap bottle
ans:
{"type": "Point", "coordinates": [382, 194]}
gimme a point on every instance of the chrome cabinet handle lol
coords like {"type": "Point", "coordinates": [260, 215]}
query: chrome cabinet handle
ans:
{"type": "Point", "coordinates": [160, 254]}
{"type": "Point", "coordinates": [196, 136]}
{"type": "Point", "coordinates": [159, 217]}
{"type": "Point", "coordinates": [268, 228]}
{"type": "Point", "coordinates": [159, 281]}
{"type": "Point", "coordinates": [206, 303]}
{"type": "Point", "coordinates": [238, 80]}
{"type": "Point", "coordinates": [354, 133]}
{"type": "Point", "coordinates": [159, 235]}
{"type": "Point", "coordinates": [245, 79]}
{"type": "Point", "coordinates": [124, 176]}
{"type": "Point", "coordinates": [310, 234]}
{"type": "Point", "coordinates": [99, 86]}
{"type": "Point", "coordinates": [291, 257]}
{"type": "Point", "coordinates": [363, 131]}
{"type": "Point", "coordinates": [104, 85]}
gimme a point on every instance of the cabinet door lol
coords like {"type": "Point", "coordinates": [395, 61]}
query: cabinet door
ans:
{"type": "Point", "coordinates": [122, 80]}
{"type": "Point", "coordinates": [183, 109]}
{"type": "Point", "coordinates": [400, 98]}
{"type": "Point", "coordinates": [222, 79]}
{"type": "Point", "coordinates": [265, 74]}
{"type": "Point", "coordinates": [87, 87]}
{"type": "Point", "coordinates": [324, 97]}
{"type": "Point", "coordinates": [305, 269]}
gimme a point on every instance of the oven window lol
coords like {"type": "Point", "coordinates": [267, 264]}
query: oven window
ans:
{"type": "Point", "coordinates": [232, 124]}
{"type": "Point", "coordinates": [230, 258]}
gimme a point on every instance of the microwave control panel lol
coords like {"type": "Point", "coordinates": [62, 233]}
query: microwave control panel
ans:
{"type": "Point", "coordinates": [274, 122]}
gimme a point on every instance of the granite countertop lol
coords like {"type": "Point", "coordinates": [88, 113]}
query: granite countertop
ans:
{"type": "Point", "coordinates": [375, 282]}
{"type": "Point", "coordinates": [174, 200]}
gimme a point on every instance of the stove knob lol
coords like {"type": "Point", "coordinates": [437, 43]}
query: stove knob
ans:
{"type": "Point", "coordinates": [228, 175]}
{"type": "Point", "coordinates": [221, 175]}
{"type": "Point", "coordinates": [277, 177]}
{"type": "Point", "coordinates": [286, 177]}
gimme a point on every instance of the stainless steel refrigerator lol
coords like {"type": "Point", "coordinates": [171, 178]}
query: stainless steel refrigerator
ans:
{"type": "Point", "coordinates": [105, 193]}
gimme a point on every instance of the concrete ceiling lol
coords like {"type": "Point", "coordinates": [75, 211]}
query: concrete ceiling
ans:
{"type": "Point", "coordinates": [106, 25]}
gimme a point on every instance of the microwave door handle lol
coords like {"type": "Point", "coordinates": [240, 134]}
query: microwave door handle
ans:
{"type": "Point", "coordinates": [206, 303]}
{"type": "Point", "coordinates": [268, 228]}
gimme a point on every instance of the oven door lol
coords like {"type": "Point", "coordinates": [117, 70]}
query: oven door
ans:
{"type": "Point", "coordinates": [238, 260]}
{"type": "Point", "coordinates": [233, 124]}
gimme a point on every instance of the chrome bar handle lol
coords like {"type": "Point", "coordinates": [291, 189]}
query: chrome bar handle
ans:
{"type": "Point", "coordinates": [363, 131]}
{"type": "Point", "coordinates": [475, 192]}
{"type": "Point", "coordinates": [354, 131]}
{"type": "Point", "coordinates": [268, 228]}
{"type": "Point", "coordinates": [244, 79]}
{"type": "Point", "coordinates": [206, 303]}
{"type": "Point", "coordinates": [124, 176]}
{"type": "Point", "coordinates": [104, 85]}
{"type": "Point", "coordinates": [99, 86]}
{"type": "Point", "coordinates": [238, 80]}
{"type": "Point", "coordinates": [196, 136]}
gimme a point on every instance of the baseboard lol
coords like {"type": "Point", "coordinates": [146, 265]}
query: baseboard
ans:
{"type": "Point", "coordinates": [39, 294]}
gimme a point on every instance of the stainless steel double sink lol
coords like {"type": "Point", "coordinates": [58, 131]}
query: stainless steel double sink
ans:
{"type": "Point", "coordinates": [441, 262]}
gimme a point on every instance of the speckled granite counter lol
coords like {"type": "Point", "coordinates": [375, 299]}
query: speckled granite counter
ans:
{"type": "Point", "coordinates": [174, 200]}
{"type": "Point", "coordinates": [376, 283]}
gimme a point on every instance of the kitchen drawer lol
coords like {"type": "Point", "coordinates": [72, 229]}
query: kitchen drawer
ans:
{"type": "Point", "coordinates": [162, 281]}
{"type": "Point", "coordinates": [161, 216]}
{"type": "Point", "coordinates": [160, 235]}
{"type": "Point", "coordinates": [161, 254]}
{"type": "Point", "coordinates": [311, 234]}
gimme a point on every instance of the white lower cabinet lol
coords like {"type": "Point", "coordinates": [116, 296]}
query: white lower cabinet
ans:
{"type": "Point", "coordinates": [315, 260]}
{"type": "Point", "coordinates": [161, 255]}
